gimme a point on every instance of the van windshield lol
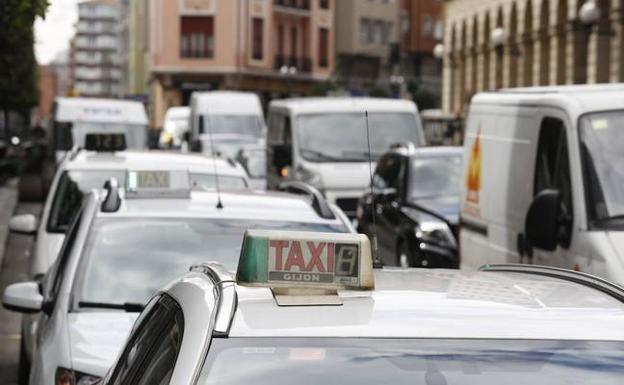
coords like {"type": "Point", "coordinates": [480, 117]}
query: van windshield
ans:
{"type": "Point", "coordinates": [602, 140]}
{"type": "Point", "coordinates": [241, 125]}
{"type": "Point", "coordinates": [341, 137]}
{"type": "Point", "coordinates": [70, 135]}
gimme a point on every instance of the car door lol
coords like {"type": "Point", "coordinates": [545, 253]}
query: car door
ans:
{"type": "Point", "coordinates": [387, 196]}
{"type": "Point", "coordinates": [552, 171]}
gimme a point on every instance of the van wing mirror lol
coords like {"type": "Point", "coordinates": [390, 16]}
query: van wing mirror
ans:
{"type": "Point", "coordinates": [542, 220]}
{"type": "Point", "coordinates": [23, 297]}
{"type": "Point", "coordinates": [24, 224]}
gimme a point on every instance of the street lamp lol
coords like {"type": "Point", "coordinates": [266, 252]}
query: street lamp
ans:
{"type": "Point", "coordinates": [589, 12]}
{"type": "Point", "coordinates": [438, 51]}
{"type": "Point", "coordinates": [498, 37]}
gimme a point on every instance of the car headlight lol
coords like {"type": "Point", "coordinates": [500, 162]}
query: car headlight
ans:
{"type": "Point", "coordinates": [71, 377]}
{"type": "Point", "coordinates": [436, 232]}
{"type": "Point", "coordinates": [308, 176]}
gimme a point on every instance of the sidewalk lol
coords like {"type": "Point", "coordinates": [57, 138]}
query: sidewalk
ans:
{"type": "Point", "coordinates": [8, 202]}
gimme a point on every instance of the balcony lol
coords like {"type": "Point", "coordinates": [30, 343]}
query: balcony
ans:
{"type": "Point", "coordinates": [302, 64]}
{"type": "Point", "coordinates": [295, 7]}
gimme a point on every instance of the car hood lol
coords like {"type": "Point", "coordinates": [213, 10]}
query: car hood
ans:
{"type": "Point", "coordinates": [446, 207]}
{"type": "Point", "coordinates": [97, 338]}
{"type": "Point", "coordinates": [343, 175]}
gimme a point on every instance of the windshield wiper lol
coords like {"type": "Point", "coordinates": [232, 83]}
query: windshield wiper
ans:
{"type": "Point", "coordinates": [610, 220]}
{"type": "Point", "coordinates": [129, 307]}
{"type": "Point", "coordinates": [362, 154]}
{"type": "Point", "coordinates": [321, 155]}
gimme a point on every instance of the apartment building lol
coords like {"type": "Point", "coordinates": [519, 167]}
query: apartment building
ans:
{"type": "Point", "coordinates": [421, 30]}
{"type": "Point", "coordinates": [366, 44]}
{"type": "Point", "coordinates": [96, 66]}
{"type": "Point", "coordinates": [275, 48]}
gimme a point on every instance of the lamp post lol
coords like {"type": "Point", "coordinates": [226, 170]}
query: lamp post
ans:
{"type": "Point", "coordinates": [589, 13]}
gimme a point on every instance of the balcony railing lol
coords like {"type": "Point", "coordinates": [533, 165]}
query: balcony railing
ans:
{"type": "Point", "coordinates": [303, 5]}
{"type": "Point", "coordinates": [302, 64]}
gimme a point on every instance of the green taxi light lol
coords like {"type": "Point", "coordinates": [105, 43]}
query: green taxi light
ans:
{"type": "Point", "coordinates": [293, 259]}
{"type": "Point", "coordinates": [158, 184]}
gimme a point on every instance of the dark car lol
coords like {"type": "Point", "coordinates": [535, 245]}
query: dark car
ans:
{"type": "Point", "coordinates": [416, 197]}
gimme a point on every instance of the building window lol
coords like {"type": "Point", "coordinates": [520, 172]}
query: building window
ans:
{"type": "Point", "coordinates": [258, 38]}
{"type": "Point", "coordinates": [197, 37]}
{"type": "Point", "coordinates": [364, 27]}
{"type": "Point", "coordinates": [324, 4]}
{"type": "Point", "coordinates": [428, 26]}
{"type": "Point", "coordinates": [323, 58]}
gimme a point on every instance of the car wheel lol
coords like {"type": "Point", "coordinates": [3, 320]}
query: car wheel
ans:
{"type": "Point", "coordinates": [23, 371]}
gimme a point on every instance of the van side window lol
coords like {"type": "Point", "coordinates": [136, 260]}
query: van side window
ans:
{"type": "Point", "coordinates": [280, 141]}
{"type": "Point", "coordinates": [552, 166]}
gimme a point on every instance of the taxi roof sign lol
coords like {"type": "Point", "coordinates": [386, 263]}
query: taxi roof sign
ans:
{"type": "Point", "coordinates": [298, 264]}
{"type": "Point", "coordinates": [158, 184]}
{"type": "Point", "coordinates": [105, 142]}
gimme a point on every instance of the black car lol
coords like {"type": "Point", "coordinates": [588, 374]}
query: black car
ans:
{"type": "Point", "coordinates": [416, 197]}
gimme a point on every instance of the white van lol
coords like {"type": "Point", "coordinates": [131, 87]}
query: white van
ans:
{"type": "Point", "coordinates": [233, 119]}
{"type": "Point", "coordinates": [544, 179]}
{"type": "Point", "coordinates": [73, 118]}
{"type": "Point", "coordinates": [323, 142]}
{"type": "Point", "coordinates": [175, 127]}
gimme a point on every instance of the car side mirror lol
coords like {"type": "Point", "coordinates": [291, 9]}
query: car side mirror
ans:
{"type": "Point", "coordinates": [24, 224]}
{"type": "Point", "coordinates": [23, 297]}
{"type": "Point", "coordinates": [543, 220]}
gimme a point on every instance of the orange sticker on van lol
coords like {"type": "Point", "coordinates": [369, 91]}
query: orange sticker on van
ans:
{"type": "Point", "coordinates": [473, 177]}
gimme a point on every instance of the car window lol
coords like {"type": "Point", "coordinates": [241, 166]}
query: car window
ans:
{"type": "Point", "coordinates": [55, 278]}
{"type": "Point", "coordinates": [153, 336]}
{"type": "Point", "coordinates": [72, 187]}
{"type": "Point", "coordinates": [159, 363]}
{"type": "Point", "coordinates": [552, 166]}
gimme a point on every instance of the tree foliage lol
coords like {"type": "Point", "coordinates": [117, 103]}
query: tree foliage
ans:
{"type": "Point", "coordinates": [18, 66]}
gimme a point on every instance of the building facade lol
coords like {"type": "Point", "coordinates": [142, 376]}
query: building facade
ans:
{"type": "Point", "coordinates": [366, 35]}
{"type": "Point", "coordinates": [421, 30]}
{"type": "Point", "coordinates": [492, 44]}
{"type": "Point", "coordinates": [275, 48]}
{"type": "Point", "coordinates": [95, 53]}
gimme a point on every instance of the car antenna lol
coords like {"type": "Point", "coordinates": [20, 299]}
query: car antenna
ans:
{"type": "Point", "coordinates": [377, 264]}
{"type": "Point", "coordinates": [214, 164]}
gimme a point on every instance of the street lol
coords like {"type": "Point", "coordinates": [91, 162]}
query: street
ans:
{"type": "Point", "coordinates": [14, 269]}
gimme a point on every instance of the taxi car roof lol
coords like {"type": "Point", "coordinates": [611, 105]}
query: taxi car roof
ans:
{"type": "Point", "coordinates": [343, 104]}
{"type": "Point", "coordinates": [429, 303]}
{"type": "Point", "coordinates": [247, 205]}
{"type": "Point", "coordinates": [137, 160]}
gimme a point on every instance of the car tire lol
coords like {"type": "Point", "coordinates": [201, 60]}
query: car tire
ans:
{"type": "Point", "coordinates": [23, 370]}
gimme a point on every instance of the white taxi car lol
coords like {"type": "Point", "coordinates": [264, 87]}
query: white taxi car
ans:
{"type": "Point", "coordinates": [308, 309]}
{"type": "Point", "coordinates": [83, 170]}
{"type": "Point", "coordinates": [123, 246]}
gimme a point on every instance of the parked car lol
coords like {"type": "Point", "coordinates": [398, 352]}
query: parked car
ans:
{"type": "Point", "coordinates": [415, 197]}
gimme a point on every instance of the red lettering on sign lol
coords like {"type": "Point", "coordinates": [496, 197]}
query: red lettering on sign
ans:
{"type": "Point", "coordinates": [316, 256]}
{"type": "Point", "coordinates": [295, 257]}
{"type": "Point", "coordinates": [330, 257]}
{"type": "Point", "coordinates": [279, 247]}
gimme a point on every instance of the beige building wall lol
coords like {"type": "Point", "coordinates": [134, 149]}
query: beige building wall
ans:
{"type": "Point", "coordinates": [545, 44]}
{"type": "Point", "coordinates": [232, 65]}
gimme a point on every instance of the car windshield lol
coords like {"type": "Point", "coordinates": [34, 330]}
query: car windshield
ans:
{"type": "Point", "coordinates": [435, 177]}
{"type": "Point", "coordinates": [341, 137]}
{"type": "Point", "coordinates": [73, 185]}
{"type": "Point", "coordinates": [307, 361]}
{"type": "Point", "coordinates": [602, 140]}
{"type": "Point", "coordinates": [136, 135]}
{"type": "Point", "coordinates": [255, 164]}
{"type": "Point", "coordinates": [243, 125]}
{"type": "Point", "coordinates": [127, 259]}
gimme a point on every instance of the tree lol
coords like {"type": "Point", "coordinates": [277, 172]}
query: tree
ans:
{"type": "Point", "coordinates": [18, 66]}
